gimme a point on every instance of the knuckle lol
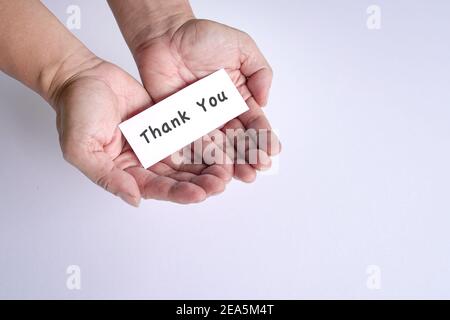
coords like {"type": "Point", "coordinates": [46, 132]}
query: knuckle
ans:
{"type": "Point", "coordinates": [103, 182]}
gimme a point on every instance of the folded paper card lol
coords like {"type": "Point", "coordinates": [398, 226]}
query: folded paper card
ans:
{"type": "Point", "coordinates": [182, 118]}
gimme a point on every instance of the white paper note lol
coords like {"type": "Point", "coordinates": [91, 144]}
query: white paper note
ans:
{"type": "Point", "coordinates": [182, 118]}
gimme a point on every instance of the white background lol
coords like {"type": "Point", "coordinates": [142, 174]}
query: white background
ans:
{"type": "Point", "coordinates": [363, 178]}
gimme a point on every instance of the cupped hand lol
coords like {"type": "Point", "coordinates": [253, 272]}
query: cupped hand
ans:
{"type": "Point", "coordinates": [198, 48]}
{"type": "Point", "coordinates": [90, 105]}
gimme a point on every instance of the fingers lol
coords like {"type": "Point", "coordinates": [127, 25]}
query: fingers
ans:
{"type": "Point", "coordinates": [98, 166]}
{"type": "Point", "coordinates": [242, 170]}
{"type": "Point", "coordinates": [257, 70]}
{"type": "Point", "coordinates": [255, 119]}
{"type": "Point", "coordinates": [185, 182]}
{"type": "Point", "coordinates": [215, 156]}
{"type": "Point", "coordinates": [205, 165]}
{"type": "Point", "coordinates": [253, 141]}
{"type": "Point", "coordinates": [158, 187]}
{"type": "Point", "coordinates": [205, 156]}
{"type": "Point", "coordinates": [121, 184]}
{"type": "Point", "coordinates": [210, 183]}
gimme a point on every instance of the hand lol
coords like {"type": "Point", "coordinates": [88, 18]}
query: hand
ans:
{"type": "Point", "coordinates": [197, 48]}
{"type": "Point", "coordinates": [90, 105]}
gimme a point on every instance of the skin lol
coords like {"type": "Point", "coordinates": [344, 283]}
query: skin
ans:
{"type": "Point", "coordinates": [177, 50]}
{"type": "Point", "coordinates": [91, 104]}
{"type": "Point", "coordinates": [91, 96]}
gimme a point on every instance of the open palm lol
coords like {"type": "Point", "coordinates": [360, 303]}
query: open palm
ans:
{"type": "Point", "coordinates": [198, 48]}
{"type": "Point", "coordinates": [90, 105]}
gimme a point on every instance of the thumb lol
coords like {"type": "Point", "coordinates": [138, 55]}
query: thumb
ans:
{"type": "Point", "coordinates": [257, 70]}
{"type": "Point", "coordinates": [100, 168]}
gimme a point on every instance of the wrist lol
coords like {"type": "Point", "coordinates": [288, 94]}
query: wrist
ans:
{"type": "Point", "coordinates": [57, 76]}
{"type": "Point", "coordinates": [163, 28]}
{"type": "Point", "coordinates": [141, 21]}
